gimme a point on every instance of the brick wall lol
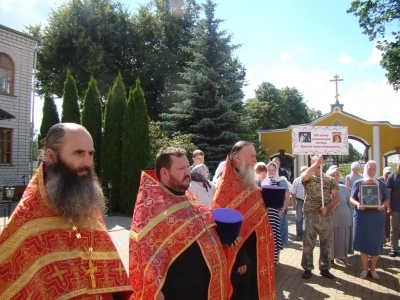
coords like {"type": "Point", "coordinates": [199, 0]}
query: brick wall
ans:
{"type": "Point", "coordinates": [20, 48]}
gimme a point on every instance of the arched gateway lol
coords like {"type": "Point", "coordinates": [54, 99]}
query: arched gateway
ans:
{"type": "Point", "coordinates": [380, 138]}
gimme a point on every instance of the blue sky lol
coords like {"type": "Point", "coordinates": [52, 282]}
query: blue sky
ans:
{"type": "Point", "coordinates": [300, 44]}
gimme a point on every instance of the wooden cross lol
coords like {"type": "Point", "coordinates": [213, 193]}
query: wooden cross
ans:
{"type": "Point", "coordinates": [336, 82]}
{"type": "Point", "coordinates": [58, 273]}
{"type": "Point", "coordinates": [90, 270]}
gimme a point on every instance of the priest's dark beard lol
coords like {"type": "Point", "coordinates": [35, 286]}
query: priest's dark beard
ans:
{"type": "Point", "coordinates": [73, 196]}
{"type": "Point", "coordinates": [248, 175]}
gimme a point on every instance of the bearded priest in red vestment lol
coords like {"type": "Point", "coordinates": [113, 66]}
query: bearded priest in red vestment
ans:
{"type": "Point", "coordinates": [56, 245]}
{"type": "Point", "coordinates": [251, 264]}
{"type": "Point", "coordinates": [175, 252]}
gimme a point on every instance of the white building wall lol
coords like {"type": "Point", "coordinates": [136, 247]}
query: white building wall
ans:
{"type": "Point", "coordinates": [21, 50]}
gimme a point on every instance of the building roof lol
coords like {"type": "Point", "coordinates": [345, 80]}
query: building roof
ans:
{"type": "Point", "coordinates": [20, 33]}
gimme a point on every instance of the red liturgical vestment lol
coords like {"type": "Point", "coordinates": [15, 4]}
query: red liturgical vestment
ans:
{"type": "Point", "coordinates": [164, 225]}
{"type": "Point", "coordinates": [231, 194]}
{"type": "Point", "coordinates": [44, 256]}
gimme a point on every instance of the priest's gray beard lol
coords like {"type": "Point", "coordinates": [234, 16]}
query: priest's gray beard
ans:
{"type": "Point", "coordinates": [73, 196]}
{"type": "Point", "coordinates": [248, 175]}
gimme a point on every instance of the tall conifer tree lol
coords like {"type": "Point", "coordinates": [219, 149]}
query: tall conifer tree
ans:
{"type": "Point", "coordinates": [111, 149]}
{"type": "Point", "coordinates": [92, 119]}
{"type": "Point", "coordinates": [210, 99]}
{"type": "Point", "coordinates": [135, 145]}
{"type": "Point", "coordinates": [70, 106]}
{"type": "Point", "coordinates": [50, 116]}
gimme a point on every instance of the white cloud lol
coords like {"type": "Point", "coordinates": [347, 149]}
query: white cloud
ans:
{"type": "Point", "coordinates": [346, 59]}
{"type": "Point", "coordinates": [374, 58]}
{"type": "Point", "coordinates": [372, 101]}
{"type": "Point", "coordinates": [285, 56]}
{"type": "Point", "coordinates": [368, 99]}
{"type": "Point", "coordinates": [289, 55]}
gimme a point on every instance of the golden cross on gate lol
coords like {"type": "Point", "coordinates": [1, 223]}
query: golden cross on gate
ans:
{"type": "Point", "coordinates": [336, 81]}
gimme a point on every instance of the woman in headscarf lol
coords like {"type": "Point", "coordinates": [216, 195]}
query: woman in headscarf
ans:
{"type": "Point", "coordinates": [342, 221]}
{"type": "Point", "coordinates": [200, 187]}
{"type": "Point", "coordinates": [278, 217]}
{"type": "Point", "coordinates": [354, 175]}
{"type": "Point", "coordinates": [369, 223]}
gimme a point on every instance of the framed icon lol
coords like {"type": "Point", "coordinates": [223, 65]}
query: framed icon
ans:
{"type": "Point", "coordinates": [370, 195]}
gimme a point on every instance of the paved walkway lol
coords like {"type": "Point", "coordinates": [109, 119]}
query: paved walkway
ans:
{"type": "Point", "coordinates": [290, 285]}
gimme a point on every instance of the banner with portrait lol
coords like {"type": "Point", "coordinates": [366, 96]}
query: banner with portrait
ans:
{"type": "Point", "coordinates": [326, 140]}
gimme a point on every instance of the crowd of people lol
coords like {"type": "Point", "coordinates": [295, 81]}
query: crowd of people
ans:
{"type": "Point", "coordinates": [55, 245]}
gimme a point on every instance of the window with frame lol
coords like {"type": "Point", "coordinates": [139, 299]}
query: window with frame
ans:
{"type": "Point", "coordinates": [5, 145]}
{"type": "Point", "coordinates": [6, 74]}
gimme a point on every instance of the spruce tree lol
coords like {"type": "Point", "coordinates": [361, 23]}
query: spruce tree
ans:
{"type": "Point", "coordinates": [135, 146]}
{"type": "Point", "coordinates": [70, 106]}
{"type": "Point", "coordinates": [50, 116]}
{"type": "Point", "coordinates": [92, 119]}
{"type": "Point", "coordinates": [210, 99]}
{"type": "Point", "coordinates": [111, 144]}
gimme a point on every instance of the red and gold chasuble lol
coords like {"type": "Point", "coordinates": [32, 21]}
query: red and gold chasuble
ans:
{"type": "Point", "coordinates": [164, 225]}
{"type": "Point", "coordinates": [42, 258]}
{"type": "Point", "coordinates": [231, 194]}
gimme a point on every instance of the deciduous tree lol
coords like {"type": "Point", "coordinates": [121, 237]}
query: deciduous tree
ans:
{"type": "Point", "coordinates": [274, 108]}
{"type": "Point", "coordinates": [158, 139]}
{"type": "Point", "coordinates": [374, 16]}
{"type": "Point", "coordinates": [162, 28]}
{"type": "Point", "coordinates": [90, 37]}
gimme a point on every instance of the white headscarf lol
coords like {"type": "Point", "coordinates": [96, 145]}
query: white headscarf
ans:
{"type": "Point", "coordinates": [330, 171]}
{"type": "Point", "coordinates": [365, 174]}
{"type": "Point", "coordinates": [267, 180]}
{"type": "Point", "coordinates": [387, 170]}
{"type": "Point", "coordinates": [354, 165]}
{"type": "Point", "coordinates": [261, 163]}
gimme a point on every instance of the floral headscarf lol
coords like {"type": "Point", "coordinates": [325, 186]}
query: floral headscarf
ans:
{"type": "Point", "coordinates": [200, 173]}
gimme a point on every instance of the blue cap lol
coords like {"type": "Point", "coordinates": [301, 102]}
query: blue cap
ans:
{"type": "Point", "coordinates": [273, 196]}
{"type": "Point", "coordinates": [228, 222]}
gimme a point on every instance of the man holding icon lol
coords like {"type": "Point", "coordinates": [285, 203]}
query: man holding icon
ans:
{"type": "Point", "coordinates": [318, 216]}
{"type": "Point", "coordinates": [174, 250]}
{"type": "Point", "coordinates": [251, 263]}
